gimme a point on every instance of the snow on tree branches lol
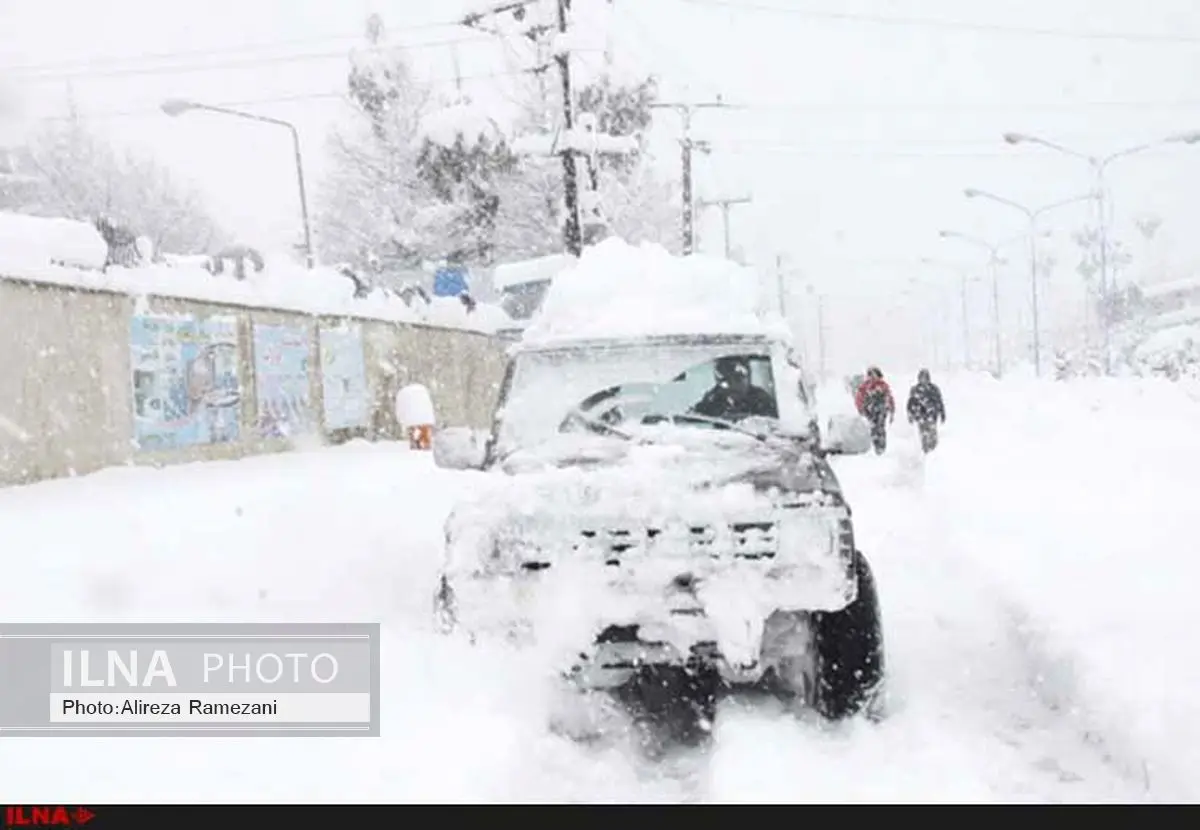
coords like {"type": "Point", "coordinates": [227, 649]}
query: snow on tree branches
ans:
{"type": "Point", "coordinates": [416, 178]}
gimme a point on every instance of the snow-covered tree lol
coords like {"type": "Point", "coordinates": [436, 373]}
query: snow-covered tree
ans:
{"type": "Point", "coordinates": [463, 161]}
{"type": "Point", "coordinates": [637, 202]}
{"type": "Point", "coordinates": [414, 180]}
{"type": "Point", "coordinates": [367, 205]}
{"type": "Point", "coordinates": [622, 110]}
{"type": "Point", "coordinates": [79, 175]}
{"type": "Point", "coordinates": [1111, 302]}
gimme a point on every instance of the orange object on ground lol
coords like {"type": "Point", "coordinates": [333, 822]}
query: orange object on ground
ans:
{"type": "Point", "coordinates": [420, 437]}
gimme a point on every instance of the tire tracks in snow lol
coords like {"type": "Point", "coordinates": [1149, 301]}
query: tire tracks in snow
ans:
{"type": "Point", "coordinates": [997, 672]}
{"type": "Point", "coordinates": [978, 714]}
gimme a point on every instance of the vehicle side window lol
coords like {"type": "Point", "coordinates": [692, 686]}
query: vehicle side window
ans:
{"type": "Point", "coordinates": [761, 376]}
{"type": "Point", "coordinates": [802, 390]}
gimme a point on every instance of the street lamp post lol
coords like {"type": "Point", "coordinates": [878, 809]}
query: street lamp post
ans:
{"type": "Point", "coordinates": [994, 261]}
{"type": "Point", "coordinates": [1032, 215]}
{"type": "Point", "coordinates": [177, 107]}
{"type": "Point", "coordinates": [1099, 165]}
{"type": "Point", "coordinates": [966, 319]}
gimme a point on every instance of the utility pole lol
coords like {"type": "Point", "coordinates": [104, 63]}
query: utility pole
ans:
{"type": "Point", "coordinates": [820, 329]}
{"type": "Point", "coordinates": [724, 205]}
{"type": "Point", "coordinates": [457, 69]}
{"type": "Point", "coordinates": [966, 323]}
{"type": "Point", "coordinates": [687, 144]}
{"type": "Point", "coordinates": [576, 133]}
{"type": "Point", "coordinates": [574, 228]}
{"type": "Point", "coordinates": [779, 287]}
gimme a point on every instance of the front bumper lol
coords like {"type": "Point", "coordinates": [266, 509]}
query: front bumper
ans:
{"type": "Point", "coordinates": [605, 597]}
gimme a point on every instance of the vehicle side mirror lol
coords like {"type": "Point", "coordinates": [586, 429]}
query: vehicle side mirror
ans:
{"type": "Point", "coordinates": [460, 448]}
{"type": "Point", "coordinates": [847, 434]}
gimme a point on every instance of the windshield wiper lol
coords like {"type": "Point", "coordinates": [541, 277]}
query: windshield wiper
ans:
{"type": "Point", "coordinates": [733, 426]}
{"type": "Point", "coordinates": [599, 425]}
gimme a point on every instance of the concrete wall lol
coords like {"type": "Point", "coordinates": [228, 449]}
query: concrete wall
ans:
{"type": "Point", "coordinates": [66, 379]}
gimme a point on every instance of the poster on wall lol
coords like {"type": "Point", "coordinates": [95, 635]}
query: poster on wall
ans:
{"type": "Point", "coordinates": [344, 378]}
{"type": "Point", "coordinates": [186, 390]}
{"type": "Point", "coordinates": [281, 382]}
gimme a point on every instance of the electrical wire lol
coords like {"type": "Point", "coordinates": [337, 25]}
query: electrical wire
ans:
{"type": "Point", "coordinates": [953, 25]}
{"type": "Point", "coordinates": [833, 149]}
{"type": "Point", "coordinates": [220, 65]}
{"type": "Point", "coordinates": [228, 50]}
{"type": "Point", "coordinates": [278, 99]}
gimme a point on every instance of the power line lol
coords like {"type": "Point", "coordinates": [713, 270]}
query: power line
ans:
{"type": "Point", "coordinates": [659, 49]}
{"type": "Point", "coordinates": [954, 25]}
{"type": "Point", "coordinates": [225, 50]}
{"type": "Point", "coordinates": [278, 99]}
{"type": "Point", "coordinates": [135, 113]}
{"type": "Point", "coordinates": [946, 106]}
{"type": "Point", "coordinates": [221, 65]}
{"type": "Point", "coordinates": [750, 148]}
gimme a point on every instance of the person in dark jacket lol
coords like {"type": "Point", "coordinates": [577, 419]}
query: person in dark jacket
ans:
{"type": "Point", "coordinates": [874, 401]}
{"type": "Point", "coordinates": [926, 409]}
{"type": "Point", "coordinates": [734, 396]}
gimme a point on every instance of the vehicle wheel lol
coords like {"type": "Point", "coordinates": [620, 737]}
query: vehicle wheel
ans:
{"type": "Point", "coordinates": [850, 653]}
{"type": "Point", "coordinates": [672, 706]}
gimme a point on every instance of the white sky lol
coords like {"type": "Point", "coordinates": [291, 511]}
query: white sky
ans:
{"type": "Point", "coordinates": [856, 142]}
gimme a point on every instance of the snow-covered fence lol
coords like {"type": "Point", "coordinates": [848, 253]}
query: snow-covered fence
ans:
{"type": "Point", "coordinates": [162, 365]}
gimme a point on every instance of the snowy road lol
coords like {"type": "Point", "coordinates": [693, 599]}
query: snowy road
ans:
{"type": "Point", "coordinates": [352, 534]}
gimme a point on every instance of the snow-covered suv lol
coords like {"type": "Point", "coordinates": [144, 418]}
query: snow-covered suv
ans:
{"type": "Point", "coordinates": [661, 558]}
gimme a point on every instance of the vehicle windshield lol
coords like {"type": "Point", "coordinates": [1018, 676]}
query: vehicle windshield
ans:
{"type": "Point", "coordinates": [615, 390]}
{"type": "Point", "coordinates": [521, 301]}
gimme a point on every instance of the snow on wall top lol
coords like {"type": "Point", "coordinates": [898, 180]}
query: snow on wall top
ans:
{"type": "Point", "coordinates": [34, 241]}
{"type": "Point", "coordinates": [618, 290]}
{"type": "Point", "coordinates": [529, 270]}
{"type": "Point", "coordinates": [69, 253]}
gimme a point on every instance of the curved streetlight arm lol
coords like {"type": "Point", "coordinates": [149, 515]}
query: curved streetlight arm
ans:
{"type": "Point", "coordinates": [975, 193]}
{"type": "Point", "coordinates": [987, 246]}
{"type": "Point", "coordinates": [1022, 138]}
{"type": "Point", "coordinates": [176, 107]}
{"type": "Point", "coordinates": [1082, 197]}
{"type": "Point", "coordinates": [1100, 163]}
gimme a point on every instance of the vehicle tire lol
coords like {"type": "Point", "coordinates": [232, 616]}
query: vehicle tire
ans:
{"type": "Point", "coordinates": [672, 706]}
{"type": "Point", "coordinates": [850, 653]}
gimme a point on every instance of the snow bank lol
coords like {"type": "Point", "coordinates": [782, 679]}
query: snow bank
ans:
{"type": "Point", "coordinates": [68, 253]}
{"type": "Point", "coordinates": [1079, 500]}
{"type": "Point", "coordinates": [1169, 342]}
{"type": "Point", "coordinates": [618, 290]}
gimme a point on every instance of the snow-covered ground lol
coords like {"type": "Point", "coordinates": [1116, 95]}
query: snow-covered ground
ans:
{"type": "Point", "coordinates": [1034, 575]}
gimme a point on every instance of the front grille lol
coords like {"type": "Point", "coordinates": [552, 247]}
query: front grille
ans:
{"type": "Point", "coordinates": [736, 540]}
{"type": "Point", "coordinates": [720, 541]}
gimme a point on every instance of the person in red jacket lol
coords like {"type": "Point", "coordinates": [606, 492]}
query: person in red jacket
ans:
{"type": "Point", "coordinates": [874, 401]}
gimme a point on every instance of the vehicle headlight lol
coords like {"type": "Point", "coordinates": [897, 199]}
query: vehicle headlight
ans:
{"type": "Point", "coordinates": [810, 536]}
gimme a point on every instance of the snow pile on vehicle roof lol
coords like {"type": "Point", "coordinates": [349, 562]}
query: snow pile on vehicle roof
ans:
{"type": "Point", "coordinates": [618, 290]}
{"type": "Point", "coordinates": [509, 274]}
